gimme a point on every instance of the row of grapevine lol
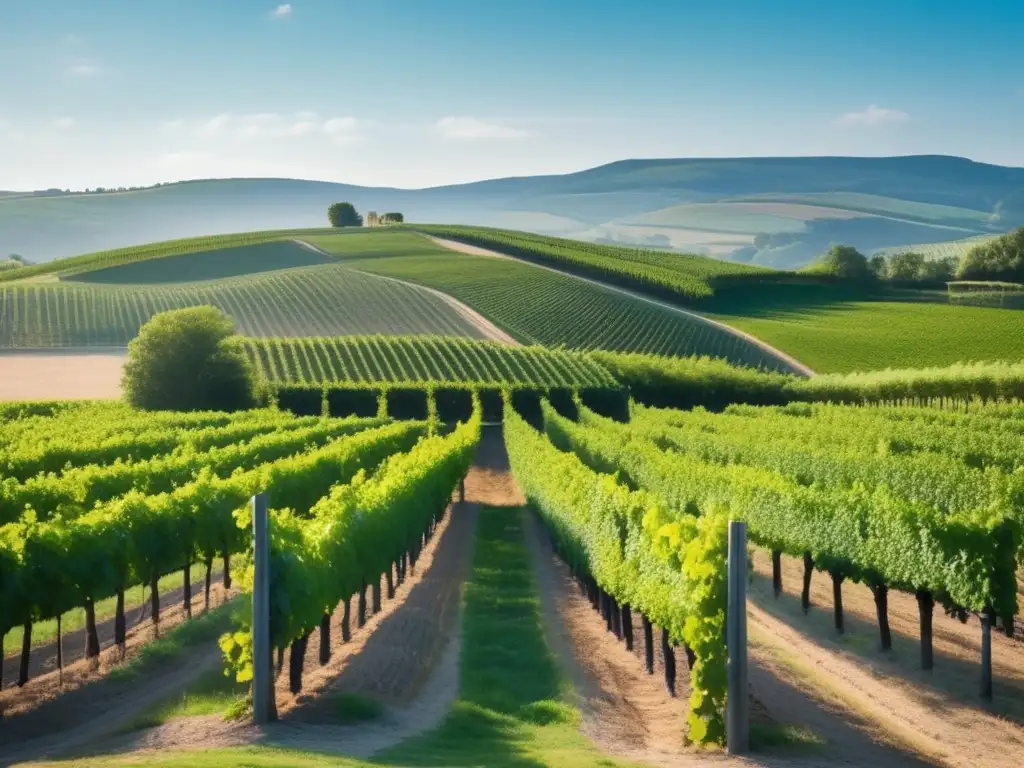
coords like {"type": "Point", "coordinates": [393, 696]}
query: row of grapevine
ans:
{"type": "Point", "coordinates": [558, 310]}
{"type": "Point", "coordinates": [681, 276]}
{"type": "Point", "coordinates": [683, 382]}
{"type": "Point", "coordinates": [668, 566]}
{"type": "Point", "coordinates": [110, 442]}
{"type": "Point", "coordinates": [355, 533]}
{"type": "Point", "coordinates": [964, 559]}
{"type": "Point", "coordinates": [50, 567]}
{"type": "Point", "coordinates": [419, 359]}
{"type": "Point", "coordinates": [78, 489]}
{"type": "Point", "coordinates": [302, 301]}
{"type": "Point", "coordinates": [132, 254]}
{"type": "Point", "coordinates": [868, 430]}
{"type": "Point", "coordinates": [826, 455]}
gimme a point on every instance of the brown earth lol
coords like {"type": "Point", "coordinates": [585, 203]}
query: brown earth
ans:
{"type": "Point", "coordinates": [46, 717]}
{"type": "Point", "coordinates": [61, 374]}
{"type": "Point", "coordinates": [940, 711]}
{"type": "Point", "coordinates": [44, 657]}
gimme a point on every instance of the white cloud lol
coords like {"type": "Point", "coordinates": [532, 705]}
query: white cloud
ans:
{"type": "Point", "coordinates": [282, 11]}
{"type": "Point", "coordinates": [83, 68]}
{"type": "Point", "coordinates": [472, 128]}
{"type": "Point", "coordinates": [65, 123]}
{"type": "Point", "coordinates": [874, 115]}
{"type": "Point", "coordinates": [271, 125]}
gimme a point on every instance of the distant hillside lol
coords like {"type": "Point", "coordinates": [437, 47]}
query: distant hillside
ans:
{"type": "Point", "coordinates": [776, 212]}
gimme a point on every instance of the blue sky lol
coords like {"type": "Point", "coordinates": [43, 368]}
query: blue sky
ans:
{"type": "Point", "coordinates": [424, 92]}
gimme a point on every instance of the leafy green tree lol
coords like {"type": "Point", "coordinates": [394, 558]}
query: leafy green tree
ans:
{"type": "Point", "coordinates": [344, 215]}
{"type": "Point", "coordinates": [905, 266]}
{"type": "Point", "coordinates": [843, 261]}
{"type": "Point", "coordinates": [999, 259]}
{"type": "Point", "coordinates": [939, 270]}
{"type": "Point", "coordinates": [879, 266]}
{"type": "Point", "coordinates": [188, 360]}
{"type": "Point", "coordinates": [394, 218]}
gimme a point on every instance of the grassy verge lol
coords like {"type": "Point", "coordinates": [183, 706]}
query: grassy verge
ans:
{"type": "Point", "coordinates": [511, 711]}
{"type": "Point", "coordinates": [44, 632]}
{"type": "Point", "coordinates": [873, 335]}
{"type": "Point", "coordinates": [179, 642]}
{"type": "Point", "coordinates": [213, 693]}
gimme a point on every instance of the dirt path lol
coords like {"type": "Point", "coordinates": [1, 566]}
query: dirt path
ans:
{"type": "Point", "coordinates": [44, 719]}
{"type": "Point", "coordinates": [938, 711]}
{"type": "Point", "coordinates": [407, 655]}
{"type": "Point", "coordinates": [487, 329]}
{"type": "Point", "coordinates": [61, 374]}
{"type": "Point", "coordinates": [795, 365]}
{"type": "Point", "coordinates": [44, 657]}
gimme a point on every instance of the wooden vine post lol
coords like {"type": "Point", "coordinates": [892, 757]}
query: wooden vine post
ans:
{"type": "Point", "coordinates": [737, 714]}
{"type": "Point", "coordinates": [986, 656]}
{"type": "Point", "coordinates": [264, 708]}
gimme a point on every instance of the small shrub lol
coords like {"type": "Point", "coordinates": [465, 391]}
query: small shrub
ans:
{"type": "Point", "coordinates": [189, 360]}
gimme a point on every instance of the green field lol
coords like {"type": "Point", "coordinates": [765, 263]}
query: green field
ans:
{"type": "Point", "coordinates": [101, 260]}
{"type": "Point", "coordinates": [538, 306]}
{"type": "Point", "coordinates": [848, 336]}
{"type": "Point", "coordinates": [307, 301]}
{"type": "Point", "coordinates": [207, 265]}
{"type": "Point", "coordinates": [420, 359]}
{"type": "Point", "coordinates": [681, 276]}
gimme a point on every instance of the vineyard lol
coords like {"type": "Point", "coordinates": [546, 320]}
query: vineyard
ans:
{"type": "Point", "coordinates": [304, 301]}
{"type": "Point", "coordinates": [539, 306]}
{"type": "Point", "coordinates": [143, 496]}
{"type": "Point", "coordinates": [924, 501]}
{"type": "Point", "coordinates": [212, 264]}
{"type": "Point", "coordinates": [683, 276]}
{"type": "Point", "coordinates": [412, 359]}
{"type": "Point", "coordinates": [122, 256]}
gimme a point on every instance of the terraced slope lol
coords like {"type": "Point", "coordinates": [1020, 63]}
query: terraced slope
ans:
{"type": "Point", "coordinates": [207, 265]}
{"type": "Point", "coordinates": [539, 306]}
{"type": "Point", "coordinates": [307, 301]}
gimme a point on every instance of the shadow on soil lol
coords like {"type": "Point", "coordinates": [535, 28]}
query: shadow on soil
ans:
{"type": "Point", "coordinates": [952, 679]}
{"type": "Point", "coordinates": [509, 683]}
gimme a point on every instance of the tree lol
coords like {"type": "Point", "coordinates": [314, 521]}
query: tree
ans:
{"type": "Point", "coordinates": [187, 360]}
{"type": "Point", "coordinates": [344, 215]}
{"type": "Point", "coordinates": [879, 266]}
{"type": "Point", "coordinates": [1001, 258]}
{"type": "Point", "coordinates": [394, 218]}
{"type": "Point", "coordinates": [905, 266]}
{"type": "Point", "coordinates": [843, 261]}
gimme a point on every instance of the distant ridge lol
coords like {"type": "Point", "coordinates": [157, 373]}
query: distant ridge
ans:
{"type": "Point", "coordinates": [896, 200]}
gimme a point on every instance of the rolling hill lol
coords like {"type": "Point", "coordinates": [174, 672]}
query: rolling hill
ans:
{"type": "Point", "coordinates": [535, 290]}
{"type": "Point", "coordinates": [776, 212]}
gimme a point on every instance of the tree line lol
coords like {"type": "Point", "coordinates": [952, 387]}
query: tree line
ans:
{"type": "Point", "coordinates": [999, 259]}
